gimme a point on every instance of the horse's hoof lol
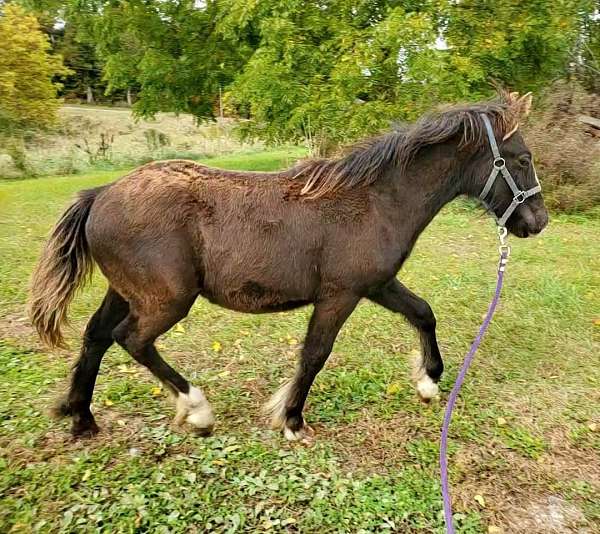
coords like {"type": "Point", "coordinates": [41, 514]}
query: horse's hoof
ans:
{"type": "Point", "coordinates": [203, 432]}
{"type": "Point", "coordinates": [84, 430]}
{"type": "Point", "coordinates": [304, 435]}
{"type": "Point", "coordinates": [193, 409]}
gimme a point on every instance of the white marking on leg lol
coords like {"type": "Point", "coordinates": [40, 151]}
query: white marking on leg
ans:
{"type": "Point", "coordinates": [193, 408]}
{"type": "Point", "coordinates": [290, 435]}
{"type": "Point", "coordinates": [275, 407]}
{"type": "Point", "coordinates": [426, 388]}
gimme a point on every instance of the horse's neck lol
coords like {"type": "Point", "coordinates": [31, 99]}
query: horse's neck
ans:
{"type": "Point", "coordinates": [410, 199]}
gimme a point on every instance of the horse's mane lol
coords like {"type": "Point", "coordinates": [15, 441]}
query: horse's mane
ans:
{"type": "Point", "coordinates": [367, 161]}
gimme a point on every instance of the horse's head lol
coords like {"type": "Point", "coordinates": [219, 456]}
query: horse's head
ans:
{"type": "Point", "coordinates": [504, 175]}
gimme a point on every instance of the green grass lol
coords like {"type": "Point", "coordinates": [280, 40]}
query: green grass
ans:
{"type": "Point", "coordinates": [523, 430]}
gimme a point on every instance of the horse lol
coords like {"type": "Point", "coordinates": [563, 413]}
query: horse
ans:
{"type": "Point", "coordinates": [326, 232]}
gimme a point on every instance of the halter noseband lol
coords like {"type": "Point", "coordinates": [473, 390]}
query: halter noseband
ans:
{"type": "Point", "coordinates": [499, 167]}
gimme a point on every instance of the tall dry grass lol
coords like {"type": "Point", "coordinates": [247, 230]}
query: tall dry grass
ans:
{"type": "Point", "coordinates": [90, 137]}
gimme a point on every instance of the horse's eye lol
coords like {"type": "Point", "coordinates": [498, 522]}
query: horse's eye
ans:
{"type": "Point", "coordinates": [524, 160]}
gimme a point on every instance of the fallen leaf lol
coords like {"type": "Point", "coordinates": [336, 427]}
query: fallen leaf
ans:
{"type": "Point", "coordinates": [393, 388]}
{"type": "Point", "coordinates": [501, 421]}
{"type": "Point", "coordinates": [120, 422]}
{"type": "Point", "coordinates": [480, 500]}
{"type": "Point", "coordinates": [217, 347]}
{"type": "Point", "coordinates": [156, 391]}
{"type": "Point", "coordinates": [108, 402]}
{"type": "Point", "coordinates": [597, 322]}
{"type": "Point", "coordinates": [179, 328]}
{"type": "Point", "coordinates": [86, 475]}
{"type": "Point", "coordinates": [593, 427]}
{"type": "Point", "coordinates": [292, 341]}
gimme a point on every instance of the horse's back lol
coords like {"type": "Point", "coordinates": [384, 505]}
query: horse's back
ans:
{"type": "Point", "coordinates": [238, 238]}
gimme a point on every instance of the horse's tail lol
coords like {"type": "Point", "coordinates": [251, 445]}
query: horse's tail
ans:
{"type": "Point", "coordinates": [64, 266]}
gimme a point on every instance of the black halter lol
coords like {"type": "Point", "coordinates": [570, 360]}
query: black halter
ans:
{"type": "Point", "coordinates": [500, 168]}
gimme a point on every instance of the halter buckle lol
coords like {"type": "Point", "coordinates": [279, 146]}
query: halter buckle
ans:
{"type": "Point", "coordinates": [520, 197]}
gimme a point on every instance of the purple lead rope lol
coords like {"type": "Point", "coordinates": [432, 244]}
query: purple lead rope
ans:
{"type": "Point", "coordinates": [504, 252]}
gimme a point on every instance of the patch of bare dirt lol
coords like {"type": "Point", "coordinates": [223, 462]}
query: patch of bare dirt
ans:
{"type": "Point", "coordinates": [547, 515]}
{"type": "Point", "coordinates": [520, 493]}
{"type": "Point", "coordinates": [372, 445]}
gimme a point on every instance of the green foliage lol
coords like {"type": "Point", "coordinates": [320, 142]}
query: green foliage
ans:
{"type": "Point", "coordinates": [332, 72]}
{"type": "Point", "coordinates": [524, 45]}
{"type": "Point", "coordinates": [80, 57]}
{"type": "Point", "coordinates": [27, 70]}
{"type": "Point", "coordinates": [588, 63]}
{"type": "Point", "coordinates": [168, 50]}
{"type": "Point", "coordinates": [329, 75]}
{"type": "Point", "coordinates": [324, 72]}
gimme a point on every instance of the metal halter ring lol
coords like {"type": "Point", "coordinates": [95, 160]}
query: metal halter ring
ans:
{"type": "Point", "coordinates": [502, 233]}
{"type": "Point", "coordinates": [499, 163]}
{"type": "Point", "coordinates": [504, 248]}
{"type": "Point", "coordinates": [520, 197]}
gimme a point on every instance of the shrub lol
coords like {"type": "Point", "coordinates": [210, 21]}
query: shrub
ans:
{"type": "Point", "coordinates": [567, 154]}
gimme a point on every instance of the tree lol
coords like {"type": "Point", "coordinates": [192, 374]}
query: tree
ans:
{"type": "Point", "coordinates": [27, 73]}
{"type": "Point", "coordinates": [330, 71]}
{"type": "Point", "coordinates": [168, 50]}
{"type": "Point", "coordinates": [524, 45]}
{"type": "Point", "coordinates": [85, 80]}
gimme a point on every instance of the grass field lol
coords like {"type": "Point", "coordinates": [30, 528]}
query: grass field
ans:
{"type": "Point", "coordinates": [525, 439]}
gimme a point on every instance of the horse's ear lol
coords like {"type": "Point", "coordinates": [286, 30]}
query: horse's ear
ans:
{"type": "Point", "coordinates": [519, 108]}
{"type": "Point", "coordinates": [525, 104]}
{"type": "Point", "coordinates": [519, 105]}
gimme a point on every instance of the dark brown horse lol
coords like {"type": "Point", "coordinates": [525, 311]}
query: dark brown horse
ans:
{"type": "Point", "coordinates": [326, 232]}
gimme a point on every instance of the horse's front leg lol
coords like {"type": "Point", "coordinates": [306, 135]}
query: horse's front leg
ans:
{"type": "Point", "coordinates": [286, 405]}
{"type": "Point", "coordinates": [429, 367]}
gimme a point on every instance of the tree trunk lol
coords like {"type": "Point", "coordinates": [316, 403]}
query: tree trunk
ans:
{"type": "Point", "coordinates": [89, 94]}
{"type": "Point", "coordinates": [129, 97]}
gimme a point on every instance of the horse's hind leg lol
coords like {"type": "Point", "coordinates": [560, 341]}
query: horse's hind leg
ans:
{"type": "Point", "coordinates": [429, 367]}
{"type": "Point", "coordinates": [136, 334]}
{"type": "Point", "coordinates": [96, 341]}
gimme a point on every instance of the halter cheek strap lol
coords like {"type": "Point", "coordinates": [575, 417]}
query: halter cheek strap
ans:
{"type": "Point", "coordinates": [499, 167]}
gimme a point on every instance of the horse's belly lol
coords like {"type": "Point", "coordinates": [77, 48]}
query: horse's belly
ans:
{"type": "Point", "coordinates": [252, 297]}
{"type": "Point", "coordinates": [248, 269]}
